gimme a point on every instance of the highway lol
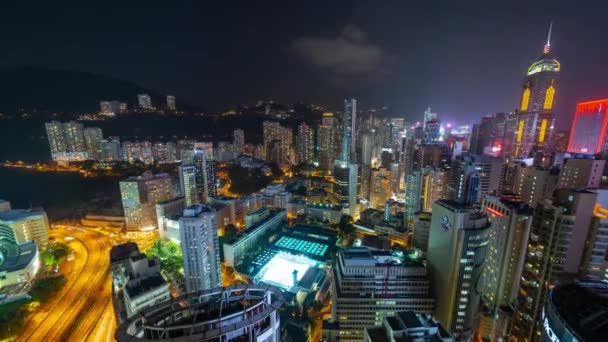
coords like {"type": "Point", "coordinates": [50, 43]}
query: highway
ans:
{"type": "Point", "coordinates": [79, 312]}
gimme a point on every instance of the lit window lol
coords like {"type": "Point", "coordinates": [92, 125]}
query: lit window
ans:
{"type": "Point", "coordinates": [549, 97]}
{"type": "Point", "coordinates": [525, 99]}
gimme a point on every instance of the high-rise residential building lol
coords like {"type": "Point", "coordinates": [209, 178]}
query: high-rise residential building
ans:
{"type": "Point", "coordinates": [166, 217]}
{"type": "Point", "coordinates": [413, 197]}
{"type": "Point", "coordinates": [66, 140]}
{"type": "Point", "coordinates": [589, 127]}
{"type": "Point", "coordinates": [380, 187]}
{"type": "Point", "coordinates": [74, 135]}
{"type": "Point", "coordinates": [532, 184]}
{"type": "Point", "coordinates": [535, 118]}
{"type": "Point", "coordinates": [109, 150]}
{"type": "Point", "coordinates": [187, 183]}
{"type": "Point", "coordinates": [327, 142]}
{"type": "Point", "coordinates": [456, 256]}
{"type": "Point", "coordinates": [369, 285]}
{"type": "Point", "coordinates": [367, 146]}
{"type": "Point", "coordinates": [595, 259]}
{"type": "Point", "coordinates": [581, 173]}
{"type": "Point", "coordinates": [92, 137]}
{"type": "Point", "coordinates": [23, 225]}
{"type": "Point", "coordinates": [508, 239]}
{"type": "Point", "coordinates": [432, 132]}
{"type": "Point", "coordinates": [204, 163]}
{"type": "Point", "coordinates": [171, 102]}
{"type": "Point", "coordinates": [122, 107]}
{"type": "Point", "coordinates": [473, 177]}
{"type": "Point", "coordinates": [434, 183]}
{"type": "Point", "coordinates": [422, 228]}
{"type": "Point", "coordinates": [138, 151]}
{"type": "Point", "coordinates": [200, 248]}
{"type": "Point", "coordinates": [305, 144]}
{"type": "Point", "coordinates": [239, 140]}
{"type": "Point", "coordinates": [139, 195]}
{"type": "Point", "coordinates": [144, 101]}
{"type": "Point", "coordinates": [555, 252]}
{"type": "Point", "coordinates": [278, 142]}
{"type": "Point", "coordinates": [56, 136]}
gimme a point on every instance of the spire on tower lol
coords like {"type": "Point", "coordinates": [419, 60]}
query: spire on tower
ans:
{"type": "Point", "coordinates": [548, 44]}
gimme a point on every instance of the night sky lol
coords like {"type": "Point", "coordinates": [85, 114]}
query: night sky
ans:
{"type": "Point", "coordinates": [463, 60]}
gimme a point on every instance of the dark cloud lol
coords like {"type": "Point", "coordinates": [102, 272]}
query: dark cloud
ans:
{"type": "Point", "coordinates": [348, 55]}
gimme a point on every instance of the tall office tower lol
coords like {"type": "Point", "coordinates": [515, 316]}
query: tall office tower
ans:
{"type": "Point", "coordinates": [581, 173]}
{"type": "Point", "coordinates": [365, 178]}
{"type": "Point", "coordinates": [397, 177]}
{"type": "Point", "coordinates": [92, 137]}
{"type": "Point", "coordinates": [472, 178]}
{"type": "Point", "coordinates": [105, 107]}
{"type": "Point", "coordinates": [481, 135]}
{"type": "Point", "coordinates": [327, 142]}
{"type": "Point", "coordinates": [353, 190]}
{"type": "Point", "coordinates": [57, 141]}
{"type": "Point", "coordinates": [370, 285]}
{"type": "Point", "coordinates": [589, 127]}
{"type": "Point", "coordinates": [456, 256]}
{"type": "Point", "coordinates": [367, 146]}
{"type": "Point", "coordinates": [535, 122]}
{"type": "Point", "coordinates": [349, 128]}
{"type": "Point", "coordinates": [204, 163]}
{"type": "Point", "coordinates": [139, 195]}
{"type": "Point", "coordinates": [555, 251]}
{"type": "Point", "coordinates": [144, 101]}
{"type": "Point", "coordinates": [187, 182]}
{"type": "Point", "coordinates": [508, 239]}
{"type": "Point", "coordinates": [428, 117]}
{"type": "Point", "coordinates": [432, 132]}
{"type": "Point", "coordinates": [74, 136]}
{"type": "Point", "coordinates": [171, 102]}
{"type": "Point", "coordinates": [595, 259]}
{"type": "Point", "coordinates": [434, 183]}
{"type": "Point", "coordinates": [200, 247]}
{"type": "Point", "coordinates": [20, 226]}
{"type": "Point", "coordinates": [238, 140]}
{"type": "Point", "coordinates": [380, 187]}
{"type": "Point", "coordinates": [409, 155]}
{"type": "Point", "coordinates": [305, 144]}
{"type": "Point", "coordinates": [413, 194]}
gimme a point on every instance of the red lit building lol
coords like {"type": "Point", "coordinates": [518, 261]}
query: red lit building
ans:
{"type": "Point", "coordinates": [589, 127]}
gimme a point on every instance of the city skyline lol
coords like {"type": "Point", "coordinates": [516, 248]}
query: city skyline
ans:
{"type": "Point", "coordinates": [434, 56]}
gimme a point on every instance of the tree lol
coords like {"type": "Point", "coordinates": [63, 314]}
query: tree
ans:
{"type": "Point", "coordinates": [171, 259]}
{"type": "Point", "coordinates": [346, 229]}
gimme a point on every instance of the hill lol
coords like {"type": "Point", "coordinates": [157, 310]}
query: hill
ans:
{"type": "Point", "coordinates": [64, 91]}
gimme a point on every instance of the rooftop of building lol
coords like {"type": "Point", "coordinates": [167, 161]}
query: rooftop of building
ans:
{"type": "Point", "coordinates": [20, 214]}
{"type": "Point", "coordinates": [584, 308]}
{"type": "Point", "coordinates": [145, 285]}
{"type": "Point", "coordinates": [15, 257]}
{"type": "Point", "coordinates": [197, 209]}
{"type": "Point", "coordinates": [324, 206]}
{"type": "Point", "coordinates": [123, 252]}
{"type": "Point", "coordinates": [404, 321]}
{"type": "Point", "coordinates": [174, 199]}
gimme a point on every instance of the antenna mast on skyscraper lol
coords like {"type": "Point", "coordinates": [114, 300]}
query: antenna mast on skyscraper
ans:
{"type": "Point", "coordinates": [548, 44]}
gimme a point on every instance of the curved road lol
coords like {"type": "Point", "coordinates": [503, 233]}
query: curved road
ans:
{"type": "Point", "coordinates": [77, 310]}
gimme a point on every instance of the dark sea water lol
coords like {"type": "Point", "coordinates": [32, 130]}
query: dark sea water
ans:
{"type": "Point", "coordinates": [61, 194]}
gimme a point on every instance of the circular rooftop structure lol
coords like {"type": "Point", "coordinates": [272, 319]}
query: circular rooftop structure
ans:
{"type": "Point", "coordinates": [576, 312]}
{"type": "Point", "coordinates": [242, 312]}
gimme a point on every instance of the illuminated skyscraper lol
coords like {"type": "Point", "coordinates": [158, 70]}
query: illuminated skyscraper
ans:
{"type": "Point", "coordinates": [511, 220]}
{"type": "Point", "coordinates": [200, 247]}
{"type": "Point", "coordinates": [171, 102]}
{"type": "Point", "coordinates": [144, 101]}
{"type": "Point", "coordinates": [56, 136]}
{"type": "Point", "coordinates": [456, 256]}
{"type": "Point", "coordinates": [239, 140]}
{"type": "Point", "coordinates": [555, 248]}
{"type": "Point", "coordinates": [92, 137]}
{"type": "Point", "coordinates": [413, 194]}
{"type": "Point", "coordinates": [278, 142]}
{"type": "Point", "coordinates": [139, 196]}
{"type": "Point", "coordinates": [588, 133]}
{"type": "Point", "coordinates": [535, 122]}
{"type": "Point", "coordinates": [327, 142]}
{"type": "Point", "coordinates": [305, 144]}
{"type": "Point", "coordinates": [204, 163]}
{"type": "Point", "coordinates": [187, 182]}
{"type": "Point", "coordinates": [346, 170]}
